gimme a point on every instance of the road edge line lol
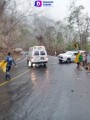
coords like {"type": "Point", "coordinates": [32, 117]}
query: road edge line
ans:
{"type": "Point", "coordinates": [4, 83]}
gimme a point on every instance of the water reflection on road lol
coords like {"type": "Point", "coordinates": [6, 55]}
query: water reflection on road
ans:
{"type": "Point", "coordinates": [46, 93]}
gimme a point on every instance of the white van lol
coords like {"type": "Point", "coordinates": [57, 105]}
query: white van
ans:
{"type": "Point", "coordinates": [37, 55]}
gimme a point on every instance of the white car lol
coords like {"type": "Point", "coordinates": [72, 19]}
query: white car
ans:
{"type": "Point", "coordinates": [68, 57]}
{"type": "Point", "coordinates": [37, 55]}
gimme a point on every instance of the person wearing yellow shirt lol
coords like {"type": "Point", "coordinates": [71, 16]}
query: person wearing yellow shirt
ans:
{"type": "Point", "coordinates": [77, 59]}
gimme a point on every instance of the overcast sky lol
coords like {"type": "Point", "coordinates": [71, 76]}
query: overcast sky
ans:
{"type": "Point", "coordinates": [59, 11]}
{"type": "Point", "coordinates": [61, 8]}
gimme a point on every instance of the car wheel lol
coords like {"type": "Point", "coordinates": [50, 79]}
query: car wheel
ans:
{"type": "Point", "coordinates": [68, 60]}
{"type": "Point", "coordinates": [60, 61]}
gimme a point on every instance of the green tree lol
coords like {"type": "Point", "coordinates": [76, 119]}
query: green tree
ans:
{"type": "Point", "coordinates": [80, 22]}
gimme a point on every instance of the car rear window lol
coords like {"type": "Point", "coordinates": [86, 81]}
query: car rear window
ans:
{"type": "Point", "coordinates": [42, 53]}
{"type": "Point", "coordinates": [36, 53]}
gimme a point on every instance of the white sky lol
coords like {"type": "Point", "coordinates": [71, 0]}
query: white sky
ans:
{"type": "Point", "coordinates": [60, 9]}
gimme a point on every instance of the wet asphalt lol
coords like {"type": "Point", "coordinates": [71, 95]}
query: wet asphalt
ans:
{"type": "Point", "coordinates": [57, 92]}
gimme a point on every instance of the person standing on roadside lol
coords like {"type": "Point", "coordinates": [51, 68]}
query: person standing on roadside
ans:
{"type": "Point", "coordinates": [84, 58]}
{"type": "Point", "coordinates": [88, 62]}
{"type": "Point", "coordinates": [9, 59]}
{"type": "Point", "coordinates": [77, 59]}
{"type": "Point", "coordinates": [81, 60]}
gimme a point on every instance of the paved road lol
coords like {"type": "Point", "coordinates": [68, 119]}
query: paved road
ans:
{"type": "Point", "coordinates": [58, 92]}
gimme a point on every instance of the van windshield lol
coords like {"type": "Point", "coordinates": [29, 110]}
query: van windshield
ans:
{"type": "Point", "coordinates": [42, 53]}
{"type": "Point", "coordinates": [36, 53]}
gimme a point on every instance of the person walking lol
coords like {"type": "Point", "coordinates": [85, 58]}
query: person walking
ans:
{"type": "Point", "coordinates": [9, 59]}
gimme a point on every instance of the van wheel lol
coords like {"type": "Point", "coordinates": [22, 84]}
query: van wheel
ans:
{"type": "Point", "coordinates": [31, 65]}
{"type": "Point", "coordinates": [44, 65]}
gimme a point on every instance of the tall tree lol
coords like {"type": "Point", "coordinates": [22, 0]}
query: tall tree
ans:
{"type": "Point", "coordinates": [80, 22]}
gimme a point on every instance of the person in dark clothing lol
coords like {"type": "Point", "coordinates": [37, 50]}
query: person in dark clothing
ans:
{"type": "Point", "coordinates": [9, 60]}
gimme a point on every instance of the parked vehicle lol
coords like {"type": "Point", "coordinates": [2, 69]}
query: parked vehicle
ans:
{"type": "Point", "coordinates": [37, 55]}
{"type": "Point", "coordinates": [69, 56]}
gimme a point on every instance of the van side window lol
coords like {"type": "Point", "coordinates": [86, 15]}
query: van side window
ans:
{"type": "Point", "coordinates": [36, 52]}
{"type": "Point", "coordinates": [42, 53]}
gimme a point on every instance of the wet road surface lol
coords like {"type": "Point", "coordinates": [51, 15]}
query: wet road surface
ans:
{"type": "Point", "coordinates": [58, 92]}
